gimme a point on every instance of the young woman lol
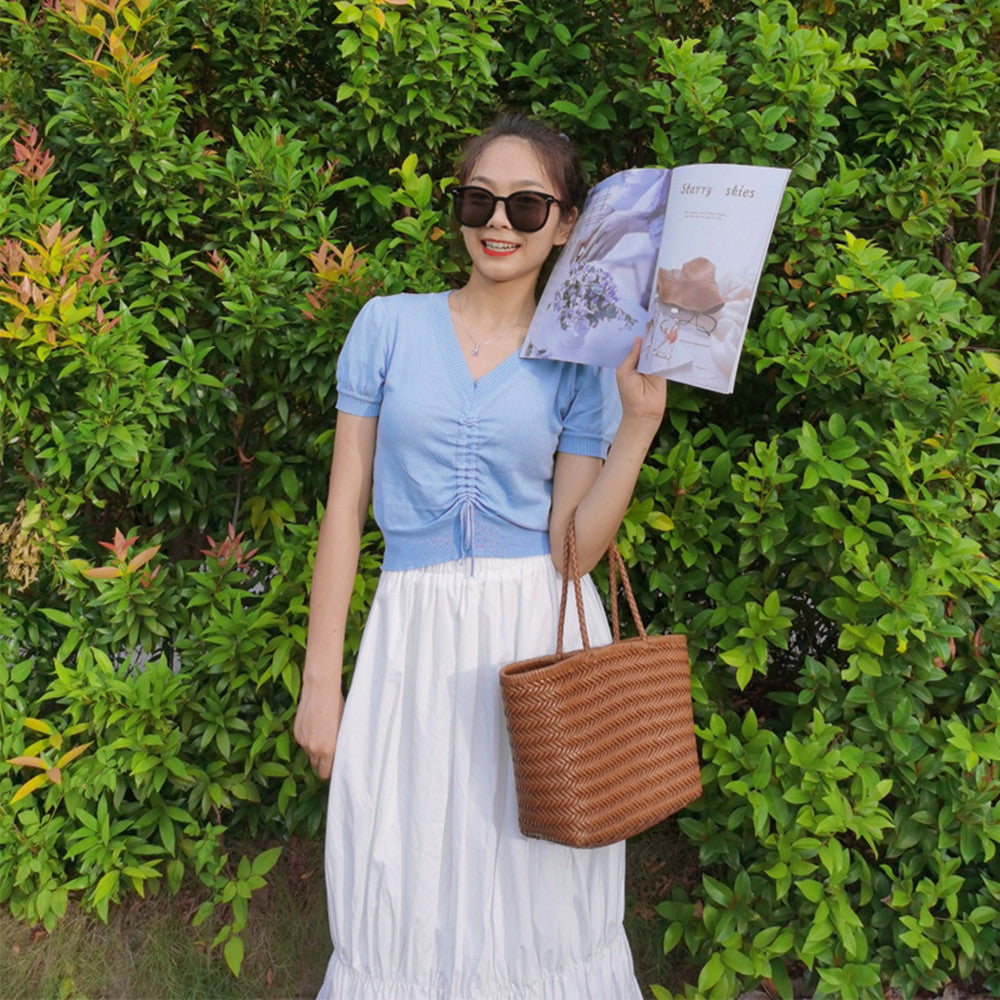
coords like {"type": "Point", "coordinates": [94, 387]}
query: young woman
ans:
{"type": "Point", "coordinates": [479, 459]}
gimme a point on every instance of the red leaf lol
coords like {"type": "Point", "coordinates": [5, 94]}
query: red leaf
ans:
{"type": "Point", "coordinates": [29, 762]}
{"type": "Point", "coordinates": [143, 557]}
{"type": "Point", "coordinates": [102, 572]}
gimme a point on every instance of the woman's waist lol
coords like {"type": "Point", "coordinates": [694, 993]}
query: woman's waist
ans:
{"type": "Point", "coordinates": [465, 532]}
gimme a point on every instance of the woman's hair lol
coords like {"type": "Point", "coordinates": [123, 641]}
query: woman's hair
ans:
{"type": "Point", "coordinates": [557, 153]}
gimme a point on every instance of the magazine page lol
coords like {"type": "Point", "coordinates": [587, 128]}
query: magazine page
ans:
{"type": "Point", "coordinates": [595, 301]}
{"type": "Point", "coordinates": [717, 227]}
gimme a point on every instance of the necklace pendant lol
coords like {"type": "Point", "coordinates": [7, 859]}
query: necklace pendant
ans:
{"type": "Point", "coordinates": [475, 350]}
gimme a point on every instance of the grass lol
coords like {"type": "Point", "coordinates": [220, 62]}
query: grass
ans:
{"type": "Point", "coordinates": [149, 951]}
{"type": "Point", "coordinates": [655, 861]}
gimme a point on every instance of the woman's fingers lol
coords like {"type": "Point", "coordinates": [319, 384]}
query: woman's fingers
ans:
{"type": "Point", "coordinates": [642, 396]}
{"type": "Point", "coordinates": [315, 729]}
{"type": "Point", "coordinates": [631, 360]}
{"type": "Point", "coordinates": [320, 759]}
{"type": "Point", "coordinates": [322, 764]}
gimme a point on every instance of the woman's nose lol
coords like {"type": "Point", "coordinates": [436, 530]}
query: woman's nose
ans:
{"type": "Point", "coordinates": [499, 216]}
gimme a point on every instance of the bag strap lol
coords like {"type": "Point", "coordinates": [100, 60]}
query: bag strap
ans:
{"type": "Point", "coordinates": [616, 561]}
{"type": "Point", "coordinates": [571, 570]}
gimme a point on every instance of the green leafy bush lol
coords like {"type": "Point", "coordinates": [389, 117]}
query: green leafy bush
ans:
{"type": "Point", "coordinates": [196, 199]}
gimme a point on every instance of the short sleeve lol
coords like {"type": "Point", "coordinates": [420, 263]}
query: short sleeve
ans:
{"type": "Point", "coordinates": [592, 411]}
{"type": "Point", "coordinates": [364, 361]}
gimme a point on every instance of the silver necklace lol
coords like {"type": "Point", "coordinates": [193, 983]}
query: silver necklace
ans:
{"type": "Point", "coordinates": [477, 344]}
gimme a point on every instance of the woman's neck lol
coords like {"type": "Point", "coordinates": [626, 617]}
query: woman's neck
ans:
{"type": "Point", "coordinates": [494, 305]}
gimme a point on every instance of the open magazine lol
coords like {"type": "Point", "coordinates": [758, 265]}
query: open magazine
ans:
{"type": "Point", "coordinates": [672, 256]}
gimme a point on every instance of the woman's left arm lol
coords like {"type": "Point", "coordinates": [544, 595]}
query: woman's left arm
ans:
{"type": "Point", "coordinates": [600, 492]}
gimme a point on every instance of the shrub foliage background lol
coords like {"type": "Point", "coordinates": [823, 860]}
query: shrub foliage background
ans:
{"type": "Point", "coordinates": [196, 198]}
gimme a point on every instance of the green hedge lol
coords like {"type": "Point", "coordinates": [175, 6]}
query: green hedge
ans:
{"type": "Point", "coordinates": [195, 200]}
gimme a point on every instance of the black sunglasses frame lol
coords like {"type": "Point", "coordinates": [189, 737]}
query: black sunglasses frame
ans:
{"type": "Point", "coordinates": [456, 202]}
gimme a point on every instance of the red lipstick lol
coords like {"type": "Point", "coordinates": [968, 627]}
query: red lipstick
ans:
{"type": "Point", "coordinates": [496, 253]}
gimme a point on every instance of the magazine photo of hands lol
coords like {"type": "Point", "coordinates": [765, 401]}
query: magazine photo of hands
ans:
{"type": "Point", "coordinates": [671, 256]}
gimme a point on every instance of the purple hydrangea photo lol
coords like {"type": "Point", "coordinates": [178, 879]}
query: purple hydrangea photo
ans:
{"type": "Point", "coordinates": [586, 298]}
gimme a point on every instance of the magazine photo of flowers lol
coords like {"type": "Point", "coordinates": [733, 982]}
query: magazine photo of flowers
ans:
{"type": "Point", "coordinates": [586, 298]}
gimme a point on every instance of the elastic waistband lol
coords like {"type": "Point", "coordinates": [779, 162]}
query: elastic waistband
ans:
{"type": "Point", "coordinates": [490, 567]}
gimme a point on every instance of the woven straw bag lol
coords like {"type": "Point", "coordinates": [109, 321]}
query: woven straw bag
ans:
{"type": "Point", "coordinates": [603, 738]}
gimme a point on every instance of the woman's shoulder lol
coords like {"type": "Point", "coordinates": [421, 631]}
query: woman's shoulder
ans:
{"type": "Point", "coordinates": [405, 304]}
{"type": "Point", "coordinates": [383, 317]}
{"type": "Point", "coordinates": [387, 323]}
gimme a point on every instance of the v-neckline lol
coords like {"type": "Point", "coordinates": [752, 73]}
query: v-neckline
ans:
{"type": "Point", "coordinates": [458, 364]}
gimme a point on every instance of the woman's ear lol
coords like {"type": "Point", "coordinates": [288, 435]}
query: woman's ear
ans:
{"type": "Point", "coordinates": [567, 220]}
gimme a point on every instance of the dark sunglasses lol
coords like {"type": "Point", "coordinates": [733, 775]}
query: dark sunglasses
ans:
{"type": "Point", "coordinates": [527, 211]}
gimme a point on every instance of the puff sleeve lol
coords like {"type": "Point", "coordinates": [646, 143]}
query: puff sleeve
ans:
{"type": "Point", "coordinates": [364, 361]}
{"type": "Point", "coordinates": [591, 411]}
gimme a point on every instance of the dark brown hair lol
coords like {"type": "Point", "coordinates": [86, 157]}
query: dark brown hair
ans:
{"type": "Point", "coordinates": [556, 151]}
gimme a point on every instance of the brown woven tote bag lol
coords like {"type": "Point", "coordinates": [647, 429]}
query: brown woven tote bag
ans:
{"type": "Point", "coordinates": [603, 738]}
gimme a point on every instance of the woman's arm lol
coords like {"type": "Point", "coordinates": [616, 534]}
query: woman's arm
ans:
{"type": "Point", "coordinates": [600, 493]}
{"type": "Point", "coordinates": [322, 702]}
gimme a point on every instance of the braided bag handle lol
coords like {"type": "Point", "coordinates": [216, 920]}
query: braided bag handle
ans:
{"type": "Point", "coordinates": [571, 570]}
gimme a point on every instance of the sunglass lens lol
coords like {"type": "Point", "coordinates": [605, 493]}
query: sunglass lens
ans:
{"type": "Point", "coordinates": [474, 206]}
{"type": "Point", "coordinates": [527, 212]}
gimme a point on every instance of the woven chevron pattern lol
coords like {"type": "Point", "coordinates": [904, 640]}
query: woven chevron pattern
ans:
{"type": "Point", "coordinates": [602, 739]}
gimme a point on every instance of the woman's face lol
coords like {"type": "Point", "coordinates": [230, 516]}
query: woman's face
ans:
{"type": "Point", "coordinates": [499, 252]}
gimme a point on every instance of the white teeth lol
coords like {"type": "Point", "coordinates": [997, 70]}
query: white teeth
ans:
{"type": "Point", "coordinates": [492, 245]}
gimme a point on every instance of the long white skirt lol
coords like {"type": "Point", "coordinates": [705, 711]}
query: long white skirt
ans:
{"type": "Point", "coordinates": [433, 892]}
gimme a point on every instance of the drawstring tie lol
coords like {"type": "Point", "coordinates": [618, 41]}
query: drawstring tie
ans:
{"type": "Point", "coordinates": [467, 523]}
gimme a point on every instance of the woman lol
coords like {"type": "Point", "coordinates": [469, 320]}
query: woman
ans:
{"type": "Point", "coordinates": [479, 458]}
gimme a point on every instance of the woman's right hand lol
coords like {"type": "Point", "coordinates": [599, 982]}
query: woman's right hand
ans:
{"type": "Point", "coordinates": [317, 721]}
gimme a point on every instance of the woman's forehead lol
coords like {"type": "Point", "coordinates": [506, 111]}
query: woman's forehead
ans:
{"type": "Point", "coordinates": [511, 161]}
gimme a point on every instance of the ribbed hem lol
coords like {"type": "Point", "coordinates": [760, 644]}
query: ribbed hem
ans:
{"type": "Point", "coordinates": [356, 405]}
{"type": "Point", "coordinates": [443, 542]}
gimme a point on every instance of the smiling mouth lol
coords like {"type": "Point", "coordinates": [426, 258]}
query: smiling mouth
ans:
{"type": "Point", "coordinates": [497, 248]}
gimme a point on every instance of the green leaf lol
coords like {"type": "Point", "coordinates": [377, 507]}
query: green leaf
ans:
{"type": "Point", "coordinates": [660, 521]}
{"type": "Point", "coordinates": [106, 886]}
{"type": "Point", "coordinates": [811, 448]}
{"type": "Point", "coordinates": [167, 833]}
{"type": "Point", "coordinates": [234, 954]}
{"type": "Point", "coordinates": [782, 981]}
{"type": "Point", "coordinates": [672, 937]}
{"type": "Point", "coordinates": [711, 972]}
{"type": "Point", "coordinates": [60, 617]}
{"type": "Point", "coordinates": [738, 961]}
{"type": "Point", "coordinates": [265, 861]}
{"type": "Point", "coordinates": [175, 874]}
{"type": "Point", "coordinates": [811, 889]}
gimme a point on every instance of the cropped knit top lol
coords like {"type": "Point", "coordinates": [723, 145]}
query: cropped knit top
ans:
{"type": "Point", "coordinates": [463, 466]}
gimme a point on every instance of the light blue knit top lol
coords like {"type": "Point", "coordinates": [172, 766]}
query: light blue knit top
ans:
{"type": "Point", "coordinates": [463, 466]}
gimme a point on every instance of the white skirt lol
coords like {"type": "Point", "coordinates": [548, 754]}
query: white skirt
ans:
{"type": "Point", "coordinates": [433, 892]}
